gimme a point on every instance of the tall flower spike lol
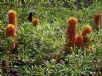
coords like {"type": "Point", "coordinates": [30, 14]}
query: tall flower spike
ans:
{"type": "Point", "coordinates": [97, 19]}
{"type": "Point", "coordinates": [12, 19]}
{"type": "Point", "coordinates": [79, 41]}
{"type": "Point", "coordinates": [71, 30]}
{"type": "Point", "coordinates": [35, 21]}
{"type": "Point", "coordinates": [10, 30]}
{"type": "Point", "coordinates": [72, 21]}
{"type": "Point", "coordinates": [86, 30]}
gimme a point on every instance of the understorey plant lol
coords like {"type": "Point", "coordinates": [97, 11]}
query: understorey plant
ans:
{"type": "Point", "coordinates": [73, 39]}
{"type": "Point", "coordinates": [70, 34]}
{"type": "Point", "coordinates": [11, 28]}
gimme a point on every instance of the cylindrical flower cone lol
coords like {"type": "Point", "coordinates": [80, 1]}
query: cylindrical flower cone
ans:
{"type": "Point", "coordinates": [70, 37]}
{"type": "Point", "coordinates": [71, 30]}
{"type": "Point", "coordinates": [72, 21]}
{"type": "Point", "coordinates": [79, 41]}
{"type": "Point", "coordinates": [12, 19]}
{"type": "Point", "coordinates": [35, 21]}
{"type": "Point", "coordinates": [10, 30]}
{"type": "Point", "coordinates": [86, 30]}
{"type": "Point", "coordinates": [97, 19]}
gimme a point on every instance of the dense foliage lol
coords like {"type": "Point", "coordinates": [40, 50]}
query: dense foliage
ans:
{"type": "Point", "coordinates": [39, 49]}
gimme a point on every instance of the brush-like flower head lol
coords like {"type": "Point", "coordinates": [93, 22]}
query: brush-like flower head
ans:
{"type": "Point", "coordinates": [35, 21]}
{"type": "Point", "coordinates": [97, 19]}
{"type": "Point", "coordinates": [72, 21]}
{"type": "Point", "coordinates": [10, 30]}
{"type": "Point", "coordinates": [86, 30]}
{"type": "Point", "coordinates": [71, 30]}
{"type": "Point", "coordinates": [12, 17]}
{"type": "Point", "coordinates": [79, 41]}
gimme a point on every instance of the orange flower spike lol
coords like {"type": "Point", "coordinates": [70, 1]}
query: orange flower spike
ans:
{"type": "Point", "coordinates": [12, 19]}
{"type": "Point", "coordinates": [35, 21]}
{"type": "Point", "coordinates": [72, 21]}
{"type": "Point", "coordinates": [87, 29]}
{"type": "Point", "coordinates": [71, 30]}
{"type": "Point", "coordinates": [79, 41]}
{"type": "Point", "coordinates": [10, 30]}
{"type": "Point", "coordinates": [85, 32]}
{"type": "Point", "coordinates": [71, 36]}
{"type": "Point", "coordinates": [97, 19]}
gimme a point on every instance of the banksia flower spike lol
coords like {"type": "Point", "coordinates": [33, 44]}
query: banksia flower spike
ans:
{"type": "Point", "coordinates": [79, 41]}
{"type": "Point", "coordinates": [87, 29]}
{"type": "Point", "coordinates": [71, 30]}
{"type": "Point", "coordinates": [12, 17]}
{"type": "Point", "coordinates": [97, 20]}
{"type": "Point", "coordinates": [35, 21]}
{"type": "Point", "coordinates": [10, 30]}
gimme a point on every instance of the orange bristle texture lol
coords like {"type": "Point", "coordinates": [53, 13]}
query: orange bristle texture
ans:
{"type": "Point", "coordinates": [71, 30]}
{"type": "Point", "coordinates": [12, 17]}
{"type": "Point", "coordinates": [79, 41]}
{"type": "Point", "coordinates": [97, 19]}
{"type": "Point", "coordinates": [85, 32]}
{"type": "Point", "coordinates": [10, 30]}
{"type": "Point", "coordinates": [35, 21]}
{"type": "Point", "coordinates": [72, 21]}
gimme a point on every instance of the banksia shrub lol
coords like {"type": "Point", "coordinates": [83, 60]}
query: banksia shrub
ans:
{"type": "Point", "coordinates": [12, 17]}
{"type": "Point", "coordinates": [71, 30]}
{"type": "Point", "coordinates": [35, 21]}
{"type": "Point", "coordinates": [79, 41]}
{"type": "Point", "coordinates": [10, 30]}
{"type": "Point", "coordinates": [86, 30]}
